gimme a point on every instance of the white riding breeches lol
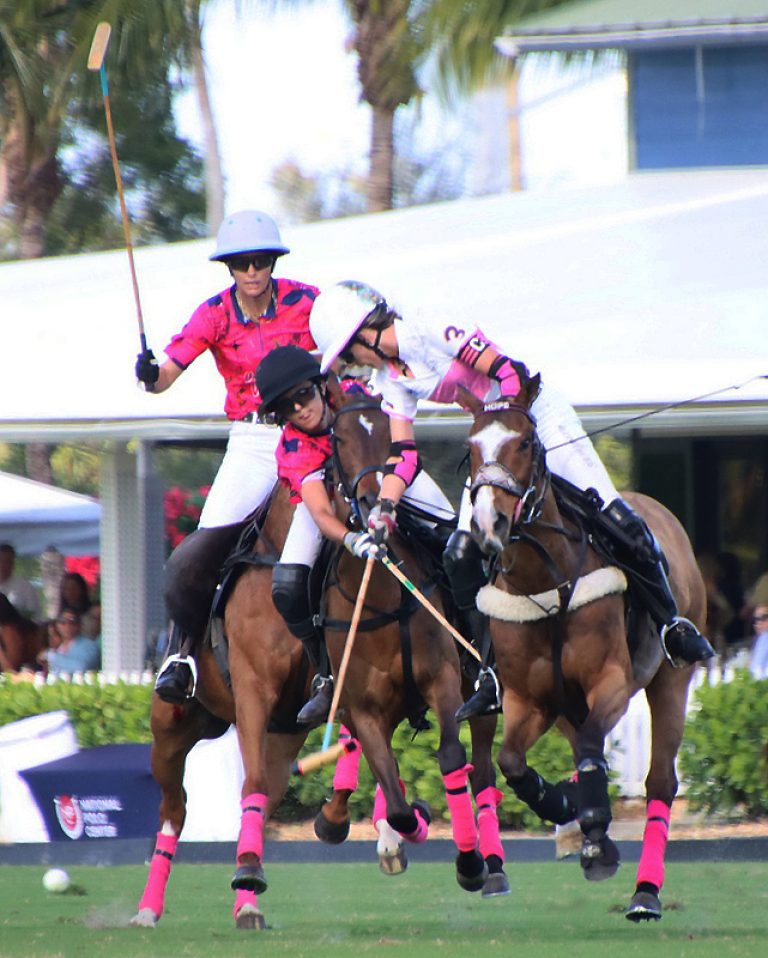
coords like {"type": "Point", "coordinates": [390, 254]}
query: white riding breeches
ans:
{"type": "Point", "coordinates": [570, 452]}
{"type": "Point", "coordinates": [246, 475]}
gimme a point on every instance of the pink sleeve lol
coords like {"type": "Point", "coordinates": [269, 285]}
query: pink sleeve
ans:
{"type": "Point", "coordinates": [194, 339]}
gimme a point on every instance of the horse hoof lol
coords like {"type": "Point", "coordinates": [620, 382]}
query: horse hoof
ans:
{"type": "Point", "coordinates": [330, 833]}
{"type": "Point", "coordinates": [471, 870]}
{"type": "Point", "coordinates": [496, 884]}
{"type": "Point", "coordinates": [145, 918]}
{"type": "Point", "coordinates": [394, 863]}
{"type": "Point", "coordinates": [250, 878]}
{"type": "Point", "coordinates": [568, 839]}
{"type": "Point", "coordinates": [250, 919]}
{"type": "Point", "coordinates": [645, 906]}
{"type": "Point", "coordinates": [600, 859]}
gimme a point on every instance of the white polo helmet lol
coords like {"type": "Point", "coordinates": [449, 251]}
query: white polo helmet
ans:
{"type": "Point", "coordinates": [338, 313]}
{"type": "Point", "coordinates": [248, 231]}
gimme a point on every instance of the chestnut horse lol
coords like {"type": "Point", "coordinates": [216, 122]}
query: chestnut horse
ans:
{"type": "Point", "coordinates": [404, 661]}
{"type": "Point", "coordinates": [21, 639]}
{"type": "Point", "coordinates": [269, 682]}
{"type": "Point", "coordinates": [570, 647]}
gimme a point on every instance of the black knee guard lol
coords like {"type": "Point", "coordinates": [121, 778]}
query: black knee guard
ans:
{"type": "Point", "coordinates": [463, 564]}
{"type": "Point", "coordinates": [290, 594]}
{"type": "Point", "coordinates": [550, 802]}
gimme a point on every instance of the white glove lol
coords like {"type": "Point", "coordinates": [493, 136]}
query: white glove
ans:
{"type": "Point", "coordinates": [360, 544]}
{"type": "Point", "coordinates": [381, 521]}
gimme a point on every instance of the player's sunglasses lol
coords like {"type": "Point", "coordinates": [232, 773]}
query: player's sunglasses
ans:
{"type": "Point", "coordinates": [286, 405]}
{"type": "Point", "coordinates": [243, 263]}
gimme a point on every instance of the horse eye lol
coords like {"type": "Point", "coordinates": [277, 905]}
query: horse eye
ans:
{"type": "Point", "coordinates": [525, 444]}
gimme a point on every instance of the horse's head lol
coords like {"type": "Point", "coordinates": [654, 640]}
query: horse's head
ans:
{"type": "Point", "coordinates": [507, 466]}
{"type": "Point", "coordinates": [360, 446]}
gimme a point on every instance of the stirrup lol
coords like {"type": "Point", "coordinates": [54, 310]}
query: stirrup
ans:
{"type": "Point", "coordinates": [487, 697]}
{"type": "Point", "coordinates": [698, 647]}
{"type": "Point", "coordinates": [177, 658]}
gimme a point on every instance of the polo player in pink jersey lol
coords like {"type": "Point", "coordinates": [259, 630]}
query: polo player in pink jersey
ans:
{"type": "Point", "coordinates": [239, 326]}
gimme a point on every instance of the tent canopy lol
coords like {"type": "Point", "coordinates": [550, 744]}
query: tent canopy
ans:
{"type": "Point", "coordinates": [34, 516]}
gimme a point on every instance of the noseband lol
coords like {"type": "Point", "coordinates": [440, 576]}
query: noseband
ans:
{"type": "Point", "coordinates": [499, 476]}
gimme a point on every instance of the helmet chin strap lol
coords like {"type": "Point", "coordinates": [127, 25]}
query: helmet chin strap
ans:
{"type": "Point", "coordinates": [374, 346]}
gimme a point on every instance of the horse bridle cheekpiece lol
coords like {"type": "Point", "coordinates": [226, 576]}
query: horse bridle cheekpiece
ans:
{"type": "Point", "coordinates": [349, 489]}
{"type": "Point", "coordinates": [499, 476]}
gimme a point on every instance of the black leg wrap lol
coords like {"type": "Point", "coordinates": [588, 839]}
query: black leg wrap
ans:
{"type": "Point", "coordinates": [594, 806]}
{"type": "Point", "coordinates": [550, 802]}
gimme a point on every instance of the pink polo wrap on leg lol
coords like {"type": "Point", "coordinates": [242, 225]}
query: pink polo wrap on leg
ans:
{"type": "Point", "coordinates": [460, 806]}
{"type": "Point", "coordinates": [379, 806]}
{"type": "Point", "coordinates": [159, 871]}
{"type": "Point", "coordinates": [420, 833]}
{"type": "Point", "coordinates": [651, 867]}
{"type": "Point", "coordinates": [348, 764]}
{"type": "Point", "coordinates": [488, 822]}
{"type": "Point", "coordinates": [251, 838]}
{"type": "Point", "coordinates": [242, 898]}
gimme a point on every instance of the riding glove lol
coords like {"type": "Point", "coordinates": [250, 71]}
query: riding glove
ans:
{"type": "Point", "coordinates": [381, 521]}
{"type": "Point", "coordinates": [361, 544]}
{"type": "Point", "coordinates": [147, 370]}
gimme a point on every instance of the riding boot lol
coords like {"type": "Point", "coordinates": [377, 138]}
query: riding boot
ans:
{"type": "Point", "coordinates": [681, 641]}
{"type": "Point", "coordinates": [177, 678]}
{"type": "Point", "coordinates": [191, 576]}
{"type": "Point", "coordinates": [290, 594]}
{"type": "Point", "coordinates": [463, 564]}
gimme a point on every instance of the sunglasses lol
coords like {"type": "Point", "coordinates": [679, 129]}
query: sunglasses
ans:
{"type": "Point", "coordinates": [760, 618]}
{"type": "Point", "coordinates": [68, 621]}
{"type": "Point", "coordinates": [286, 405]}
{"type": "Point", "coordinates": [243, 263]}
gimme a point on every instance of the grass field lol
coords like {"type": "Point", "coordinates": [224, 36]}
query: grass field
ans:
{"type": "Point", "coordinates": [341, 911]}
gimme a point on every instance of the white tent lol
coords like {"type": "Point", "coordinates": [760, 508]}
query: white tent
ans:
{"type": "Point", "coordinates": [34, 516]}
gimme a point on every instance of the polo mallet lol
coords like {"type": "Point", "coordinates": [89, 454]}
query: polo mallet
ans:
{"type": "Point", "coordinates": [327, 754]}
{"type": "Point", "coordinates": [96, 59]}
{"type": "Point", "coordinates": [402, 577]}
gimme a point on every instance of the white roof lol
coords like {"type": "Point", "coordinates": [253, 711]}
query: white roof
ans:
{"type": "Point", "coordinates": [34, 516]}
{"type": "Point", "coordinates": [627, 297]}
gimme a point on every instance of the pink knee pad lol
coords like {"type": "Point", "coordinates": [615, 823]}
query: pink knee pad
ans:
{"type": "Point", "coordinates": [460, 806]}
{"type": "Point", "coordinates": [651, 867]}
{"type": "Point", "coordinates": [488, 822]}
{"type": "Point", "coordinates": [251, 838]}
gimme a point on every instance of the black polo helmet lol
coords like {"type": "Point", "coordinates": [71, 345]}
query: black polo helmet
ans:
{"type": "Point", "coordinates": [282, 369]}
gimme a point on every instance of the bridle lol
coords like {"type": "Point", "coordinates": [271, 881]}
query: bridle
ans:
{"type": "Point", "coordinates": [348, 488]}
{"type": "Point", "coordinates": [498, 476]}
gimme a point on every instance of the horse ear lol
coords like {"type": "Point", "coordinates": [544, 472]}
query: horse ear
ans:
{"type": "Point", "coordinates": [468, 400]}
{"type": "Point", "coordinates": [335, 393]}
{"type": "Point", "coordinates": [530, 390]}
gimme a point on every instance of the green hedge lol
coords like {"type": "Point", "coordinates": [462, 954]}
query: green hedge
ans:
{"type": "Point", "coordinates": [100, 715]}
{"type": "Point", "coordinates": [724, 756]}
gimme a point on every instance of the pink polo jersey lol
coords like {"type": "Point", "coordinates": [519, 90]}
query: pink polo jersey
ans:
{"type": "Point", "coordinates": [238, 344]}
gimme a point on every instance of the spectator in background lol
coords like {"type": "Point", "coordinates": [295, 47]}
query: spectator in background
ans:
{"type": "Point", "coordinates": [18, 590]}
{"type": "Point", "coordinates": [758, 665]}
{"type": "Point", "coordinates": [74, 652]}
{"type": "Point", "coordinates": [75, 597]}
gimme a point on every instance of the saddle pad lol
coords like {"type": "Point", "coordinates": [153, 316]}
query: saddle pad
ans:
{"type": "Point", "coordinates": [530, 608]}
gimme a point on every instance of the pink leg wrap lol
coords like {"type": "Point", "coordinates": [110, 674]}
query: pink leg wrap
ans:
{"type": "Point", "coordinates": [243, 897]}
{"type": "Point", "coordinates": [348, 764]}
{"type": "Point", "coordinates": [420, 833]}
{"type": "Point", "coordinates": [379, 806]}
{"type": "Point", "coordinates": [460, 806]}
{"type": "Point", "coordinates": [251, 838]}
{"type": "Point", "coordinates": [159, 871]}
{"type": "Point", "coordinates": [488, 822]}
{"type": "Point", "coordinates": [651, 867]}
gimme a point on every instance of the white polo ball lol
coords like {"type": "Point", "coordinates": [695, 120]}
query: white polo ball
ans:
{"type": "Point", "coordinates": [56, 880]}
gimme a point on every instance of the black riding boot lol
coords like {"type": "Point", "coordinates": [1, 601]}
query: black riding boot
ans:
{"type": "Point", "coordinates": [191, 576]}
{"type": "Point", "coordinates": [463, 563]}
{"type": "Point", "coordinates": [290, 594]}
{"type": "Point", "coordinates": [681, 641]}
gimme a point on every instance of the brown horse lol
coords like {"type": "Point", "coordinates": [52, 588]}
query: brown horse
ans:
{"type": "Point", "coordinates": [569, 645]}
{"type": "Point", "coordinates": [270, 681]}
{"type": "Point", "coordinates": [403, 662]}
{"type": "Point", "coordinates": [21, 639]}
